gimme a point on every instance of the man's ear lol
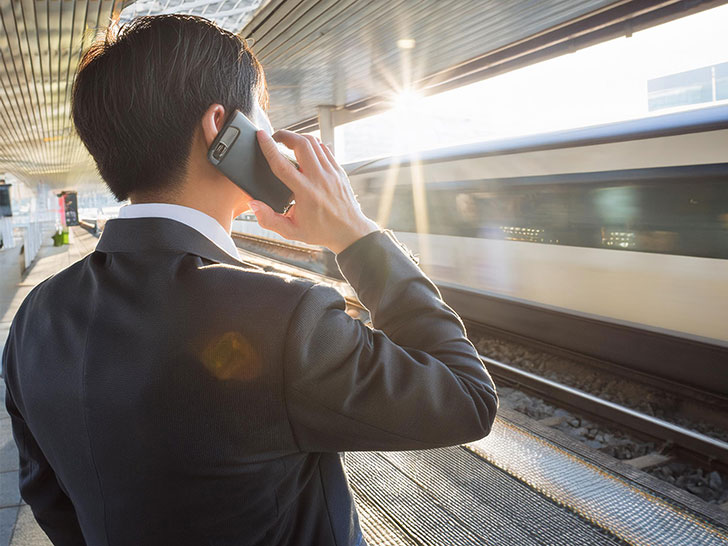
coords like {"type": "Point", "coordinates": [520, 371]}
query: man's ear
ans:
{"type": "Point", "coordinates": [212, 121]}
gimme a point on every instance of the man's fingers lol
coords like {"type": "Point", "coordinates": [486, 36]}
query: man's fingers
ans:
{"type": "Point", "coordinates": [317, 149]}
{"type": "Point", "coordinates": [270, 219]}
{"type": "Point", "coordinates": [302, 148]}
{"type": "Point", "coordinates": [280, 166]}
{"type": "Point", "coordinates": [330, 156]}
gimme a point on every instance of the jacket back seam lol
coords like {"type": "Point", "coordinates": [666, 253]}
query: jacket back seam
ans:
{"type": "Point", "coordinates": [85, 412]}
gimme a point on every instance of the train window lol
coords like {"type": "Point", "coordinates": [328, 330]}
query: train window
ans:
{"type": "Point", "coordinates": [721, 81]}
{"type": "Point", "coordinates": [670, 210]}
{"type": "Point", "coordinates": [402, 212]}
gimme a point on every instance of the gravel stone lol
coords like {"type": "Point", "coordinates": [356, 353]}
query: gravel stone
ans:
{"type": "Point", "coordinates": [709, 486]}
{"type": "Point", "coordinates": [715, 481]}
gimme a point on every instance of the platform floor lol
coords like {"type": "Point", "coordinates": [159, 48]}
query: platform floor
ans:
{"type": "Point", "coordinates": [512, 488]}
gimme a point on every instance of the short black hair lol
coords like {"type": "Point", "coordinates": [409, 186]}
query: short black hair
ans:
{"type": "Point", "coordinates": [139, 93]}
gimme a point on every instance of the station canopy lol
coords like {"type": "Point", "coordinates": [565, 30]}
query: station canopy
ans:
{"type": "Point", "coordinates": [347, 57]}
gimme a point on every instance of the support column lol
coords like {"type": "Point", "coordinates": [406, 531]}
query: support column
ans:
{"type": "Point", "coordinates": [326, 124]}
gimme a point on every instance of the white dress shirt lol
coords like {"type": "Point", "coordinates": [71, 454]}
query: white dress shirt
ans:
{"type": "Point", "coordinates": [197, 220]}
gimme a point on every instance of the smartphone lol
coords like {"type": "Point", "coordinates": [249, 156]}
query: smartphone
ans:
{"type": "Point", "coordinates": [236, 153]}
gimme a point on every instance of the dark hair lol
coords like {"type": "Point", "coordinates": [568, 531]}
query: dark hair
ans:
{"type": "Point", "coordinates": [140, 92]}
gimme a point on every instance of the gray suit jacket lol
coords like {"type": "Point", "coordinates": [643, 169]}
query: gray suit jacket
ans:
{"type": "Point", "coordinates": [162, 392]}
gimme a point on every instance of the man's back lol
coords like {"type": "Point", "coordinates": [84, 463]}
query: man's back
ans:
{"type": "Point", "coordinates": [183, 398]}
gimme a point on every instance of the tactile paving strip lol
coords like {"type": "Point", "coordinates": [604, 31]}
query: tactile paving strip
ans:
{"type": "Point", "coordinates": [450, 496]}
{"type": "Point", "coordinates": [378, 529]}
{"type": "Point", "coordinates": [633, 513]}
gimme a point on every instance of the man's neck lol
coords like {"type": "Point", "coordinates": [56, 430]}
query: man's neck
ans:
{"type": "Point", "coordinates": [202, 188]}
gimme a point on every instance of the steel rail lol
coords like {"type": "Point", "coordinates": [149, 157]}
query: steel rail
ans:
{"type": "Point", "coordinates": [278, 244]}
{"type": "Point", "coordinates": [712, 448]}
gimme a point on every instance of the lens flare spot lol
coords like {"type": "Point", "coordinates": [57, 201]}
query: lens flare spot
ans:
{"type": "Point", "coordinates": [231, 356]}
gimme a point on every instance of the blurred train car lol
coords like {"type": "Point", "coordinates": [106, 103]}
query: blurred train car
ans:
{"type": "Point", "coordinates": [626, 222]}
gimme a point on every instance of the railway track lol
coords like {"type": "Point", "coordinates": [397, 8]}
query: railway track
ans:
{"type": "Point", "coordinates": [686, 442]}
{"type": "Point", "coordinates": [679, 441]}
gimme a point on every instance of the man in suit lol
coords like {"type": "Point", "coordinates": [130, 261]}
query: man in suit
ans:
{"type": "Point", "coordinates": [161, 390]}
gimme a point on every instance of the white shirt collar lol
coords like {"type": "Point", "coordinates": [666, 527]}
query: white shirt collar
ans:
{"type": "Point", "coordinates": [197, 220]}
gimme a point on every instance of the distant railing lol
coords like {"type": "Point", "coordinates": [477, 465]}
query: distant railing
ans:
{"type": "Point", "coordinates": [32, 239]}
{"type": "Point", "coordinates": [6, 232]}
{"type": "Point", "coordinates": [28, 230]}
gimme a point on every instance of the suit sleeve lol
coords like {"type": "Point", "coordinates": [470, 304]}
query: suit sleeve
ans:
{"type": "Point", "coordinates": [413, 381]}
{"type": "Point", "coordinates": [39, 485]}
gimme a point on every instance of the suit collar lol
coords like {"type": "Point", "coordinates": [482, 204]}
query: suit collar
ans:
{"type": "Point", "coordinates": [160, 235]}
{"type": "Point", "coordinates": [196, 219]}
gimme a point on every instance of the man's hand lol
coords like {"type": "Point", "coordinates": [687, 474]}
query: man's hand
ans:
{"type": "Point", "coordinates": [325, 212]}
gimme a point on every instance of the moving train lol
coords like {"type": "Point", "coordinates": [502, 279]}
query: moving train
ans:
{"type": "Point", "coordinates": [624, 222]}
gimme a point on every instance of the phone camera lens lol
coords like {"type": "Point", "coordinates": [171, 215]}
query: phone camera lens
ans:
{"type": "Point", "coordinates": [219, 151]}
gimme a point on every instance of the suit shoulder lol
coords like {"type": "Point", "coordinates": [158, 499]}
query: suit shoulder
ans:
{"type": "Point", "coordinates": [305, 291]}
{"type": "Point", "coordinates": [221, 274]}
{"type": "Point", "coordinates": [51, 285]}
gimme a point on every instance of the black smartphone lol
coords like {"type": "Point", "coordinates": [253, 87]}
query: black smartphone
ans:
{"type": "Point", "coordinates": [236, 153]}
